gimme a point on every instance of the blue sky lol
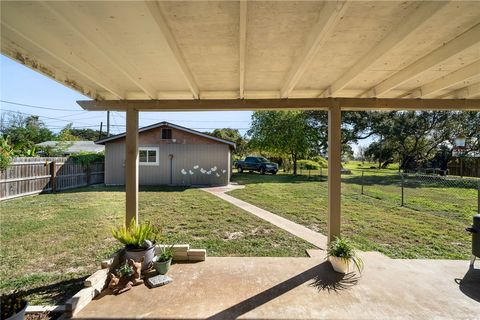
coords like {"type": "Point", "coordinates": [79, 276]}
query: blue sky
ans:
{"type": "Point", "coordinates": [22, 85]}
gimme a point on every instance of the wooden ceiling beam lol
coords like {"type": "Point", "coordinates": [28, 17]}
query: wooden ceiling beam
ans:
{"type": "Point", "coordinates": [406, 28]}
{"type": "Point", "coordinates": [461, 43]}
{"type": "Point", "coordinates": [243, 45]}
{"type": "Point", "coordinates": [347, 104]}
{"type": "Point", "coordinates": [461, 75]}
{"type": "Point", "coordinates": [330, 15]}
{"type": "Point", "coordinates": [91, 34]}
{"type": "Point", "coordinates": [156, 12]}
{"type": "Point", "coordinates": [59, 52]}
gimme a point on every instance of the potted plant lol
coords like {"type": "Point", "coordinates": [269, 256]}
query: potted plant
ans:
{"type": "Point", "coordinates": [13, 306]}
{"type": "Point", "coordinates": [342, 256]}
{"type": "Point", "coordinates": [137, 241]}
{"type": "Point", "coordinates": [163, 261]}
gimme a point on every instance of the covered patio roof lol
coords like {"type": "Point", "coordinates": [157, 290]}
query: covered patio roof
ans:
{"type": "Point", "coordinates": [249, 50]}
{"type": "Point", "coordinates": [237, 55]}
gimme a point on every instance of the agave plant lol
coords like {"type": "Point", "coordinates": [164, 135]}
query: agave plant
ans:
{"type": "Point", "coordinates": [134, 235]}
{"type": "Point", "coordinates": [343, 249]}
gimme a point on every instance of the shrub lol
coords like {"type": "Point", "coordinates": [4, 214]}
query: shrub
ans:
{"type": "Point", "coordinates": [86, 158]}
{"type": "Point", "coordinates": [321, 161]}
{"type": "Point", "coordinates": [135, 235]}
{"type": "Point", "coordinates": [308, 165]}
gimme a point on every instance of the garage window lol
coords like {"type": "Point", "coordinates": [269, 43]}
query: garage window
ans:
{"type": "Point", "coordinates": [148, 156]}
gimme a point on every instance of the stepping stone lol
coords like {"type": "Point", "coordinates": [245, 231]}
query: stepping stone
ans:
{"type": "Point", "coordinates": [159, 280]}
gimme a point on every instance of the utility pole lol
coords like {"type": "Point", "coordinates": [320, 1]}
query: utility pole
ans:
{"type": "Point", "coordinates": [108, 123]}
{"type": "Point", "coordinates": [100, 135]}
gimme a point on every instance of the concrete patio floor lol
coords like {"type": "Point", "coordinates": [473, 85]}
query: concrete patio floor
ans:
{"type": "Point", "coordinates": [301, 288]}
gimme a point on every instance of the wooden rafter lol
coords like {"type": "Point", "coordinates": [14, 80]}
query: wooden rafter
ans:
{"type": "Point", "coordinates": [329, 17]}
{"type": "Point", "coordinates": [461, 43]}
{"type": "Point", "coordinates": [406, 28]}
{"type": "Point", "coordinates": [91, 34]}
{"type": "Point", "coordinates": [155, 10]}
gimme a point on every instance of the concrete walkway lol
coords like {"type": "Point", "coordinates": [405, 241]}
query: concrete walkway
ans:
{"type": "Point", "coordinates": [315, 238]}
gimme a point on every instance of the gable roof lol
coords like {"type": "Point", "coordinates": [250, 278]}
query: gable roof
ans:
{"type": "Point", "coordinates": [74, 146]}
{"type": "Point", "coordinates": [170, 125]}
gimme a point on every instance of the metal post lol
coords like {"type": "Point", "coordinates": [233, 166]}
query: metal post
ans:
{"type": "Point", "coordinates": [362, 182]}
{"type": "Point", "coordinates": [478, 197]}
{"type": "Point", "coordinates": [403, 184]}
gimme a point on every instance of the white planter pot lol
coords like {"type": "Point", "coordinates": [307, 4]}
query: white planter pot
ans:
{"type": "Point", "coordinates": [340, 265]}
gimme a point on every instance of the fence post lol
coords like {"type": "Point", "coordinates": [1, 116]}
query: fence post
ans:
{"type": "Point", "coordinates": [403, 184]}
{"type": "Point", "coordinates": [362, 181]}
{"type": "Point", "coordinates": [53, 176]}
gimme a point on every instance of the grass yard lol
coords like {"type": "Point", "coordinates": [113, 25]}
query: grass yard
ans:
{"type": "Point", "coordinates": [50, 243]}
{"type": "Point", "coordinates": [430, 226]}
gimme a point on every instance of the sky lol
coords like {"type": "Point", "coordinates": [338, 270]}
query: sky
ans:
{"type": "Point", "coordinates": [19, 84]}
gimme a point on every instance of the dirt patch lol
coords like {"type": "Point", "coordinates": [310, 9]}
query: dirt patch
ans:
{"type": "Point", "coordinates": [233, 235]}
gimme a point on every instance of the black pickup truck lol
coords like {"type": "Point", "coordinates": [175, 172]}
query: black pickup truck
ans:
{"type": "Point", "coordinates": [259, 164]}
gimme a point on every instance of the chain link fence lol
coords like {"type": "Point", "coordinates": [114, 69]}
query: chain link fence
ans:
{"type": "Point", "coordinates": [444, 195]}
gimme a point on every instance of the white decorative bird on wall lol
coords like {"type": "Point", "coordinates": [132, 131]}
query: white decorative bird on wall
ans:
{"type": "Point", "coordinates": [184, 172]}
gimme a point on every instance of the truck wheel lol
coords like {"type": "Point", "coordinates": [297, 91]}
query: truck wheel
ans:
{"type": "Point", "coordinates": [240, 169]}
{"type": "Point", "coordinates": [274, 172]}
{"type": "Point", "coordinates": [262, 170]}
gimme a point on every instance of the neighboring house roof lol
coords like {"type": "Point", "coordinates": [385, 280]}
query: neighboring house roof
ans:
{"type": "Point", "coordinates": [74, 146]}
{"type": "Point", "coordinates": [171, 125]}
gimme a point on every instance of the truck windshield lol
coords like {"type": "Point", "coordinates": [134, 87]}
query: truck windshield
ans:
{"type": "Point", "coordinates": [262, 159]}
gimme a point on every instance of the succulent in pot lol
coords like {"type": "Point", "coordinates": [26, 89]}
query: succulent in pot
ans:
{"type": "Point", "coordinates": [343, 257]}
{"type": "Point", "coordinates": [13, 306]}
{"type": "Point", "coordinates": [163, 261]}
{"type": "Point", "coordinates": [138, 242]}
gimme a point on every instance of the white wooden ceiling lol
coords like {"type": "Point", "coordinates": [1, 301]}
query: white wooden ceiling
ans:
{"type": "Point", "coordinates": [259, 49]}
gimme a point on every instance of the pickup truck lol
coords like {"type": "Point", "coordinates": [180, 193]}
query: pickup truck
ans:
{"type": "Point", "coordinates": [259, 164]}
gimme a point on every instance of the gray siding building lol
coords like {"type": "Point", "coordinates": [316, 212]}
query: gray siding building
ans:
{"type": "Point", "coordinates": [171, 155]}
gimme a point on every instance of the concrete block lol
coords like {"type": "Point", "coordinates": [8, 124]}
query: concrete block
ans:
{"type": "Point", "coordinates": [80, 300]}
{"type": "Point", "coordinates": [197, 255]}
{"type": "Point", "coordinates": [180, 256]}
{"type": "Point", "coordinates": [98, 277]}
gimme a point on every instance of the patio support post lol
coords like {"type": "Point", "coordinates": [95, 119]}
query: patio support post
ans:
{"type": "Point", "coordinates": [334, 171]}
{"type": "Point", "coordinates": [131, 167]}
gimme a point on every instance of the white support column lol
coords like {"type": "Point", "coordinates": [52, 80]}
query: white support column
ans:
{"type": "Point", "coordinates": [131, 167]}
{"type": "Point", "coordinates": [334, 174]}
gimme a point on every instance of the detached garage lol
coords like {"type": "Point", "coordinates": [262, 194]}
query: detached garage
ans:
{"type": "Point", "coordinates": [171, 155]}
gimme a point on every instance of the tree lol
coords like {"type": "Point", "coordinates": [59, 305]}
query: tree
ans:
{"type": "Point", "coordinates": [24, 131]}
{"type": "Point", "coordinates": [87, 134]}
{"type": "Point", "coordinates": [234, 136]}
{"type": "Point", "coordinates": [284, 133]}
{"type": "Point", "coordinates": [356, 125]}
{"type": "Point", "coordinates": [381, 152]}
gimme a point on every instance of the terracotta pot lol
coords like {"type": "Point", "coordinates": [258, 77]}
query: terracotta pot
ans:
{"type": "Point", "coordinates": [20, 315]}
{"type": "Point", "coordinates": [137, 254]}
{"type": "Point", "coordinates": [340, 265]}
{"type": "Point", "coordinates": [162, 266]}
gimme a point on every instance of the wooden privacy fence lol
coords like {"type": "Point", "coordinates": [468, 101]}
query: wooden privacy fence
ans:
{"type": "Point", "coordinates": [26, 176]}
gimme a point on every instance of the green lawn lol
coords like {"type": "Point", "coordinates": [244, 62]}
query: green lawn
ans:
{"type": "Point", "coordinates": [431, 225]}
{"type": "Point", "coordinates": [50, 243]}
